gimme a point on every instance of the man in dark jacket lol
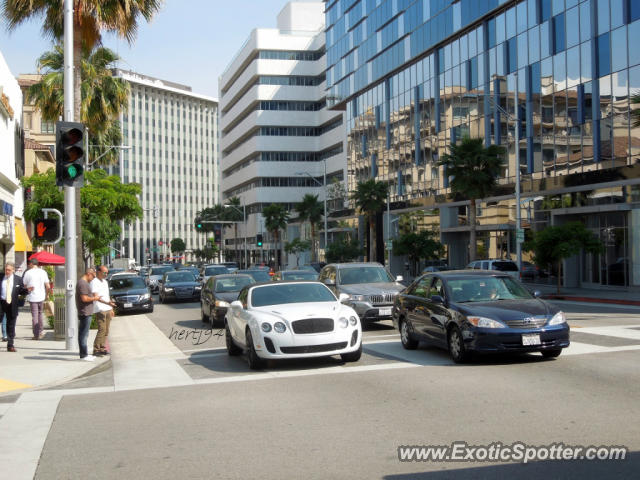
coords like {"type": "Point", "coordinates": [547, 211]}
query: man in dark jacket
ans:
{"type": "Point", "coordinates": [10, 287]}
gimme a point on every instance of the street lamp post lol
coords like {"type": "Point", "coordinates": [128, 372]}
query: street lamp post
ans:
{"type": "Point", "coordinates": [324, 179]}
{"type": "Point", "coordinates": [244, 220]}
{"type": "Point", "coordinates": [108, 149]}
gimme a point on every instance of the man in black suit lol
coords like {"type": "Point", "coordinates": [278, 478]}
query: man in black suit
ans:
{"type": "Point", "coordinates": [10, 287]}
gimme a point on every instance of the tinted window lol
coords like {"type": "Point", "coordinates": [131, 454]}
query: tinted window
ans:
{"type": "Point", "coordinates": [421, 288]}
{"type": "Point", "coordinates": [487, 289]}
{"type": "Point", "coordinates": [215, 271]}
{"type": "Point", "coordinates": [505, 266]}
{"type": "Point", "coordinates": [290, 293]}
{"type": "Point", "coordinates": [129, 282]}
{"type": "Point", "coordinates": [232, 284]}
{"type": "Point", "coordinates": [180, 277]}
{"type": "Point", "coordinates": [160, 270]}
{"type": "Point", "coordinates": [299, 275]}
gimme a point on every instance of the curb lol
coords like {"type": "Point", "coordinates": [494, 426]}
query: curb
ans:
{"type": "Point", "coordinates": [612, 301]}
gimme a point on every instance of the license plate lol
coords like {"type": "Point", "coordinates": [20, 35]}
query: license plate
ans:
{"type": "Point", "coordinates": [384, 311]}
{"type": "Point", "coordinates": [128, 305]}
{"type": "Point", "coordinates": [531, 340]}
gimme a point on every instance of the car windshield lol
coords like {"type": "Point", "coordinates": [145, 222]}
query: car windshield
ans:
{"type": "Point", "coordinates": [258, 275]}
{"type": "Point", "coordinates": [160, 270]}
{"type": "Point", "coordinates": [209, 271]}
{"type": "Point", "coordinates": [300, 275]}
{"type": "Point", "coordinates": [290, 293]}
{"type": "Point", "coordinates": [353, 275]}
{"type": "Point", "coordinates": [180, 277]}
{"type": "Point", "coordinates": [127, 282]}
{"type": "Point", "coordinates": [232, 284]}
{"type": "Point", "coordinates": [487, 289]}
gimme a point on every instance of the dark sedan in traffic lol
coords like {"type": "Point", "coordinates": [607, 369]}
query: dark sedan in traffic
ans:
{"type": "Point", "coordinates": [179, 285]}
{"type": "Point", "coordinates": [130, 294]}
{"type": "Point", "coordinates": [478, 312]}
{"type": "Point", "coordinates": [218, 293]}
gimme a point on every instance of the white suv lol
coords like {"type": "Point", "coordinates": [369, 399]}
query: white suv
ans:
{"type": "Point", "coordinates": [506, 266]}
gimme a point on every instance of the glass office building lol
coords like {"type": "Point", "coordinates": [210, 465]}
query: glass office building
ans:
{"type": "Point", "coordinates": [416, 75]}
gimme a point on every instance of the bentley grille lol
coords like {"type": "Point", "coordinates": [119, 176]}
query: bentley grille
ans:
{"type": "Point", "coordinates": [312, 325]}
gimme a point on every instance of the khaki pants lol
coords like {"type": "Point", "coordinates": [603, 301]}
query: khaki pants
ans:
{"type": "Point", "coordinates": [103, 319]}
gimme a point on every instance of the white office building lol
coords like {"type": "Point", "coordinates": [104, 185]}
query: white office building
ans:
{"type": "Point", "coordinates": [277, 136]}
{"type": "Point", "coordinates": [170, 138]}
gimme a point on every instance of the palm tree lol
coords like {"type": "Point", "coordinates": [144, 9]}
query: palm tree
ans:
{"type": "Point", "coordinates": [275, 219]}
{"type": "Point", "coordinates": [311, 210]}
{"type": "Point", "coordinates": [474, 169]}
{"type": "Point", "coordinates": [104, 97]}
{"type": "Point", "coordinates": [234, 213]}
{"type": "Point", "coordinates": [371, 197]}
{"type": "Point", "coordinates": [90, 19]}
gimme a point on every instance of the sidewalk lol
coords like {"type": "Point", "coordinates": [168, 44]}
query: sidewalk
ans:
{"type": "Point", "coordinates": [614, 296]}
{"type": "Point", "coordinates": [40, 363]}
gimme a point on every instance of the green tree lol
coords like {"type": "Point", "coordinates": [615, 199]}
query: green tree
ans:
{"type": "Point", "coordinates": [371, 197]}
{"type": "Point", "coordinates": [556, 243]}
{"type": "Point", "coordinates": [90, 19]}
{"type": "Point", "coordinates": [275, 219]}
{"type": "Point", "coordinates": [296, 247]}
{"type": "Point", "coordinates": [178, 245]}
{"type": "Point", "coordinates": [311, 210]}
{"type": "Point", "coordinates": [474, 170]}
{"type": "Point", "coordinates": [105, 200]}
{"type": "Point", "coordinates": [418, 246]}
{"type": "Point", "coordinates": [343, 250]}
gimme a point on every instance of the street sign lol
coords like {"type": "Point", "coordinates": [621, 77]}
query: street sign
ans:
{"type": "Point", "coordinates": [520, 235]}
{"type": "Point", "coordinates": [389, 245]}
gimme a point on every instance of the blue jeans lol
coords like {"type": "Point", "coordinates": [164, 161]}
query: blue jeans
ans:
{"type": "Point", "coordinates": [84, 322]}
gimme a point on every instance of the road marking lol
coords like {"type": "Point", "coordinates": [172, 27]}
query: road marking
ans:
{"type": "Point", "coordinates": [631, 332]}
{"type": "Point", "coordinates": [594, 304]}
{"type": "Point", "coordinates": [577, 348]}
{"type": "Point", "coordinates": [8, 385]}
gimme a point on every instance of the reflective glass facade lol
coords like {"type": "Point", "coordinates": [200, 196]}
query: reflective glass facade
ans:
{"type": "Point", "coordinates": [416, 75]}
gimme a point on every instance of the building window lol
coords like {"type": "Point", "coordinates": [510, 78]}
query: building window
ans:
{"type": "Point", "coordinates": [47, 127]}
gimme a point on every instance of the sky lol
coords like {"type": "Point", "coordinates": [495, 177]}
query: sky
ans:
{"type": "Point", "coordinates": [190, 42]}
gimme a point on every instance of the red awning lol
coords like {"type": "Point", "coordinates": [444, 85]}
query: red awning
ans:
{"type": "Point", "coordinates": [47, 258]}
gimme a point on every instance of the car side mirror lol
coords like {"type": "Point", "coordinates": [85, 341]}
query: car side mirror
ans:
{"type": "Point", "coordinates": [399, 278]}
{"type": "Point", "coordinates": [537, 294]}
{"type": "Point", "coordinates": [236, 305]}
{"type": "Point", "coordinates": [343, 297]}
{"type": "Point", "coordinates": [329, 283]}
{"type": "Point", "coordinates": [437, 299]}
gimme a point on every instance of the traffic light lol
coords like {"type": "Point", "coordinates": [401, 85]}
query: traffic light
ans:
{"type": "Point", "coordinates": [199, 225]}
{"type": "Point", "coordinates": [217, 233]}
{"type": "Point", "coordinates": [47, 229]}
{"type": "Point", "coordinates": [259, 239]}
{"type": "Point", "coordinates": [69, 154]}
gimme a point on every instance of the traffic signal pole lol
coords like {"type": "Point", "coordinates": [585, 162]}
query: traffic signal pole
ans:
{"type": "Point", "coordinates": [71, 313]}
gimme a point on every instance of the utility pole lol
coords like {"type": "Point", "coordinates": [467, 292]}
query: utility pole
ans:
{"type": "Point", "coordinates": [71, 313]}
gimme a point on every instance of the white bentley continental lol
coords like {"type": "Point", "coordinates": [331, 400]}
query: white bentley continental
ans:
{"type": "Point", "coordinates": [291, 320]}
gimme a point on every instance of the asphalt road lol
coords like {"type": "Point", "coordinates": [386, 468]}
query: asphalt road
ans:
{"type": "Point", "coordinates": [320, 420]}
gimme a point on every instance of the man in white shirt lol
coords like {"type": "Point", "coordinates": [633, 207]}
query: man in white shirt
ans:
{"type": "Point", "coordinates": [103, 308]}
{"type": "Point", "coordinates": [37, 282]}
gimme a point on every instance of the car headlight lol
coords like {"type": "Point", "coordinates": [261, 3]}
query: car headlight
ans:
{"type": "Point", "coordinates": [353, 320]}
{"type": "Point", "coordinates": [168, 289]}
{"type": "Point", "coordinates": [266, 327]}
{"type": "Point", "coordinates": [343, 322]}
{"type": "Point", "coordinates": [358, 298]}
{"type": "Point", "coordinates": [198, 287]}
{"type": "Point", "coordinates": [279, 327]}
{"type": "Point", "coordinates": [558, 319]}
{"type": "Point", "coordinates": [146, 296]}
{"type": "Point", "coordinates": [484, 322]}
{"type": "Point", "coordinates": [222, 303]}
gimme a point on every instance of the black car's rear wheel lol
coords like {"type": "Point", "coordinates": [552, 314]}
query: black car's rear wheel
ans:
{"type": "Point", "coordinates": [407, 340]}
{"type": "Point", "coordinates": [551, 353]}
{"type": "Point", "coordinates": [254, 361]}
{"type": "Point", "coordinates": [457, 350]}
{"type": "Point", "coordinates": [232, 348]}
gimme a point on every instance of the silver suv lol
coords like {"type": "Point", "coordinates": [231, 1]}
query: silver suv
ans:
{"type": "Point", "coordinates": [371, 288]}
{"type": "Point", "coordinates": [506, 266]}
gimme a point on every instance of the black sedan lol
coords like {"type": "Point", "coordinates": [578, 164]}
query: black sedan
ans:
{"type": "Point", "coordinates": [179, 285]}
{"type": "Point", "coordinates": [258, 274]}
{"type": "Point", "coordinates": [478, 311]}
{"type": "Point", "coordinates": [130, 293]}
{"type": "Point", "coordinates": [218, 293]}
